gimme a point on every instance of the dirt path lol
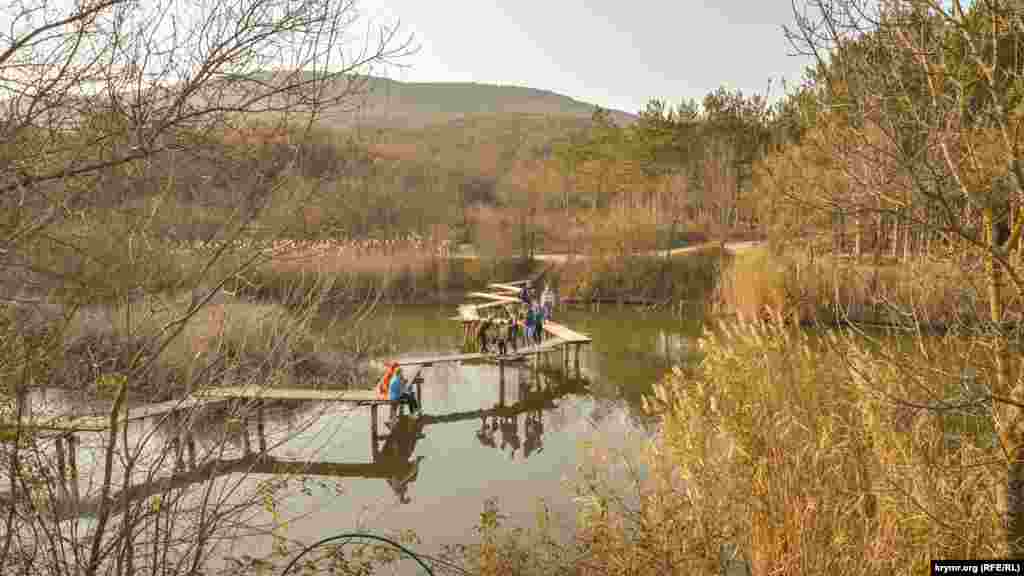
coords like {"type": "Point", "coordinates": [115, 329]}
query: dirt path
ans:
{"type": "Point", "coordinates": [734, 247]}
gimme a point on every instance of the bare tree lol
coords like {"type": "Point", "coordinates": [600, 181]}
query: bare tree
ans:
{"type": "Point", "coordinates": [108, 111]}
{"type": "Point", "coordinates": [922, 116]}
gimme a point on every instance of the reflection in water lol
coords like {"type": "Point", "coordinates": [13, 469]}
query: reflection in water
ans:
{"type": "Point", "coordinates": [486, 433]}
{"type": "Point", "coordinates": [196, 446]}
{"type": "Point", "coordinates": [534, 433]}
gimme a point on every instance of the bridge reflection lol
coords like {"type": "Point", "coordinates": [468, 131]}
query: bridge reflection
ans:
{"type": "Point", "coordinates": [392, 451]}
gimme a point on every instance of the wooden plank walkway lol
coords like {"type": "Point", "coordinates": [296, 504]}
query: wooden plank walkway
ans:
{"type": "Point", "coordinates": [264, 393]}
{"type": "Point", "coordinates": [429, 360]}
{"type": "Point", "coordinates": [100, 422]}
{"type": "Point", "coordinates": [507, 287]}
{"type": "Point", "coordinates": [564, 333]}
{"type": "Point", "coordinates": [495, 297]}
{"type": "Point", "coordinates": [63, 424]}
{"type": "Point", "coordinates": [468, 312]}
{"type": "Point", "coordinates": [490, 305]}
{"type": "Point", "coordinates": [546, 346]}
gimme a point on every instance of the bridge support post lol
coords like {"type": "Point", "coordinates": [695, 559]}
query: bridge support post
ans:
{"type": "Point", "coordinates": [61, 468]}
{"type": "Point", "coordinates": [577, 361]}
{"type": "Point", "coordinates": [177, 447]}
{"type": "Point", "coordinates": [246, 440]}
{"type": "Point", "coordinates": [72, 449]}
{"type": "Point", "coordinates": [190, 444]}
{"type": "Point", "coordinates": [373, 432]}
{"type": "Point", "coordinates": [260, 428]}
{"type": "Point", "coordinates": [501, 388]}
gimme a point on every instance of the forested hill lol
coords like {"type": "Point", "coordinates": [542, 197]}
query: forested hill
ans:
{"type": "Point", "coordinates": [391, 103]}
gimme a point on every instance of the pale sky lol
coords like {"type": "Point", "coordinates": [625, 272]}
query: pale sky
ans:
{"type": "Point", "coordinates": [617, 54]}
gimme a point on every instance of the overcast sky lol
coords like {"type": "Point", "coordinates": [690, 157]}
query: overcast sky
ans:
{"type": "Point", "coordinates": [614, 53]}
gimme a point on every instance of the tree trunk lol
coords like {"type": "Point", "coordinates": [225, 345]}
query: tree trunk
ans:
{"type": "Point", "coordinates": [858, 237]}
{"type": "Point", "coordinates": [1008, 419]}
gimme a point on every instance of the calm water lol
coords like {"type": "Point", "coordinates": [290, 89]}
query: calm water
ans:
{"type": "Point", "coordinates": [472, 444]}
{"type": "Point", "coordinates": [516, 459]}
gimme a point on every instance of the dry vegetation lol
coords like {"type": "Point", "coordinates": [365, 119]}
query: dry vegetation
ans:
{"type": "Point", "coordinates": [786, 451]}
{"type": "Point", "coordinates": [921, 292]}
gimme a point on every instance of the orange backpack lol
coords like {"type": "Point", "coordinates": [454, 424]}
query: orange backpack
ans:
{"type": "Point", "coordinates": [385, 381]}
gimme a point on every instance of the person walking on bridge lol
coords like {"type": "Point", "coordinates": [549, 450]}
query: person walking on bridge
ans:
{"type": "Point", "coordinates": [531, 323]}
{"type": "Point", "coordinates": [485, 325]}
{"type": "Point", "coordinates": [547, 301]}
{"type": "Point", "coordinates": [513, 330]}
{"type": "Point", "coordinates": [538, 324]}
{"type": "Point", "coordinates": [524, 294]}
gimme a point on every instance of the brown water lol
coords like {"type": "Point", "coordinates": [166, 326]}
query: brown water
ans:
{"type": "Point", "coordinates": [472, 444]}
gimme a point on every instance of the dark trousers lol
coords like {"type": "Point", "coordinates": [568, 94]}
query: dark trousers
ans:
{"type": "Point", "coordinates": [411, 399]}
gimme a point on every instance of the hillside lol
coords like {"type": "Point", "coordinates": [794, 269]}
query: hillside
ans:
{"type": "Point", "coordinates": [395, 104]}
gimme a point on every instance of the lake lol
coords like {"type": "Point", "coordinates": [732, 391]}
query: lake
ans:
{"type": "Point", "coordinates": [467, 461]}
{"type": "Point", "coordinates": [471, 444]}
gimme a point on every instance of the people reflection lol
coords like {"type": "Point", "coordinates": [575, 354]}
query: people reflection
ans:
{"type": "Point", "coordinates": [534, 433]}
{"type": "Point", "coordinates": [400, 483]}
{"type": "Point", "coordinates": [510, 433]}
{"type": "Point", "coordinates": [395, 456]}
{"type": "Point", "coordinates": [486, 432]}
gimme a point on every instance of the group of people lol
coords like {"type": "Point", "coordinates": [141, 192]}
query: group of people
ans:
{"type": "Point", "coordinates": [393, 386]}
{"type": "Point", "coordinates": [532, 323]}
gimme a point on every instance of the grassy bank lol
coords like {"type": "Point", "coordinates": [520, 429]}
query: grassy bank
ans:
{"type": "Point", "coordinates": [686, 278]}
{"type": "Point", "coordinates": [402, 278]}
{"type": "Point", "coordinates": [931, 293]}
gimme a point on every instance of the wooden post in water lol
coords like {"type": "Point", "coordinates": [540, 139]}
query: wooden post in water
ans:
{"type": "Point", "coordinates": [190, 444]}
{"type": "Point", "coordinates": [577, 360]}
{"type": "Point", "coordinates": [501, 388]}
{"type": "Point", "coordinates": [260, 428]}
{"type": "Point", "coordinates": [178, 448]}
{"type": "Point", "coordinates": [246, 441]}
{"type": "Point", "coordinates": [72, 447]}
{"type": "Point", "coordinates": [373, 431]}
{"type": "Point", "coordinates": [61, 469]}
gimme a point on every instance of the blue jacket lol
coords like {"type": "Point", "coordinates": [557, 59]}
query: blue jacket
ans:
{"type": "Point", "coordinates": [396, 388]}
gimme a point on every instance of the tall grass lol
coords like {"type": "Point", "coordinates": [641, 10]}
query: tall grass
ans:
{"type": "Point", "coordinates": [404, 275]}
{"type": "Point", "coordinates": [226, 342]}
{"type": "Point", "coordinates": [687, 277]}
{"type": "Point", "coordinates": [794, 453]}
{"type": "Point", "coordinates": [834, 290]}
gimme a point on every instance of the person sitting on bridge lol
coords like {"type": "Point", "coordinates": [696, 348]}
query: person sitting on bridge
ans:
{"type": "Point", "coordinates": [385, 380]}
{"type": "Point", "coordinates": [401, 392]}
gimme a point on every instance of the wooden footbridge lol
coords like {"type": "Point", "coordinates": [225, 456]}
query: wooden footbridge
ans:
{"type": "Point", "coordinates": [502, 306]}
{"type": "Point", "coordinates": [502, 301]}
{"type": "Point", "coordinates": [392, 451]}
